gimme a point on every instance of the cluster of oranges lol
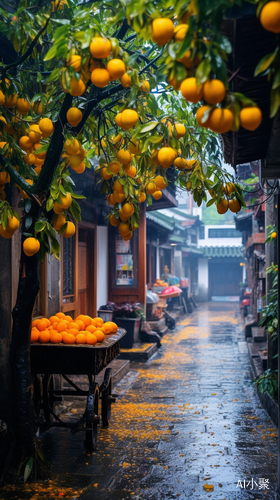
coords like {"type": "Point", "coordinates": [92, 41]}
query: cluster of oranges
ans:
{"type": "Point", "coordinates": [213, 91]}
{"type": "Point", "coordinates": [74, 153]}
{"type": "Point", "coordinates": [64, 329]}
{"type": "Point", "coordinates": [229, 201]}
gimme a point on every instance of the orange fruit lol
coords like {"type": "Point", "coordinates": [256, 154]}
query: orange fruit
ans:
{"type": "Point", "coordinates": [180, 129]}
{"type": "Point", "coordinates": [38, 107]}
{"type": "Point", "coordinates": [129, 118]}
{"type": "Point", "coordinates": [25, 143]}
{"type": "Point", "coordinates": [81, 338]}
{"type": "Point", "coordinates": [87, 320]}
{"type": "Point", "coordinates": [31, 246]}
{"type": "Point", "coordinates": [40, 156]}
{"type": "Point", "coordinates": [145, 87]}
{"type": "Point", "coordinates": [6, 234]}
{"type": "Point", "coordinates": [2, 98]}
{"type": "Point", "coordinates": [23, 106]}
{"type": "Point", "coordinates": [68, 319]}
{"type": "Point", "coordinates": [124, 156]}
{"type": "Point", "coordinates": [114, 326]}
{"type": "Point", "coordinates": [199, 116]}
{"type": "Point", "coordinates": [90, 328]}
{"type": "Point", "coordinates": [221, 120]}
{"type": "Point", "coordinates": [274, 235]}
{"type": "Point", "coordinates": [46, 127]}
{"type": "Point", "coordinates": [166, 157]}
{"type": "Point", "coordinates": [157, 195]}
{"type": "Point", "coordinates": [190, 91]}
{"type": "Point", "coordinates": [118, 187]}
{"type": "Point", "coordinates": [113, 220]}
{"type": "Point", "coordinates": [163, 30]}
{"type": "Point", "coordinates": [60, 315]}
{"type": "Point", "coordinates": [81, 168]}
{"type": "Point", "coordinates": [214, 91]}
{"type": "Point", "coordinates": [100, 47]}
{"type": "Point", "coordinates": [75, 62]}
{"type": "Point", "coordinates": [34, 335]}
{"type": "Point", "coordinates": [71, 146]}
{"type": "Point", "coordinates": [141, 197]}
{"type": "Point", "coordinates": [132, 171]}
{"type": "Point", "coordinates": [115, 167]}
{"type": "Point", "coordinates": [68, 338]}
{"type": "Point", "coordinates": [61, 326]}
{"type": "Point", "coordinates": [97, 321]}
{"type": "Point", "coordinates": [107, 328]}
{"type": "Point", "coordinates": [70, 230]}
{"type": "Point", "coordinates": [151, 187]}
{"type": "Point", "coordinates": [250, 117]}
{"type": "Point", "coordinates": [270, 17]}
{"type": "Point", "coordinates": [34, 322]}
{"type": "Point", "coordinates": [73, 331]}
{"type": "Point", "coordinates": [74, 116]}
{"type": "Point", "coordinates": [128, 209]}
{"type": "Point", "coordinates": [99, 335]}
{"type": "Point", "coordinates": [118, 119]}
{"type": "Point", "coordinates": [55, 337]}
{"type": "Point", "coordinates": [44, 336]}
{"type": "Point", "coordinates": [100, 77]}
{"type": "Point", "coordinates": [234, 205]}
{"type": "Point", "coordinates": [180, 32]}
{"type": "Point", "coordinates": [77, 87]}
{"type": "Point", "coordinates": [91, 339]}
{"type": "Point", "coordinates": [222, 206]}
{"type": "Point", "coordinates": [13, 224]}
{"type": "Point", "coordinates": [160, 182]}
{"type": "Point", "coordinates": [74, 325]}
{"type": "Point", "coordinates": [127, 237]}
{"type": "Point", "coordinates": [11, 101]}
{"type": "Point", "coordinates": [80, 323]}
{"type": "Point", "coordinates": [58, 221]}
{"type": "Point", "coordinates": [115, 68]}
{"type": "Point", "coordinates": [126, 80]}
{"type": "Point", "coordinates": [47, 322]}
{"type": "Point", "coordinates": [35, 134]}
{"type": "Point", "coordinates": [187, 61]}
{"type": "Point", "coordinates": [124, 228]}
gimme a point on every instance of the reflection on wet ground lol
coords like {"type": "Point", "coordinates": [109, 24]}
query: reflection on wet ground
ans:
{"type": "Point", "coordinates": [186, 424]}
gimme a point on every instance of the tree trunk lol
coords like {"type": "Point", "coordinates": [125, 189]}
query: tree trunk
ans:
{"type": "Point", "coordinates": [28, 288]}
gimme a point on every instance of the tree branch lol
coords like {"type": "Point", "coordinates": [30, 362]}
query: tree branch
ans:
{"type": "Point", "coordinates": [29, 50]}
{"type": "Point", "coordinates": [54, 149]}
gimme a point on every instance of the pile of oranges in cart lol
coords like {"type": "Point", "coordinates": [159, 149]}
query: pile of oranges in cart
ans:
{"type": "Point", "coordinates": [64, 329]}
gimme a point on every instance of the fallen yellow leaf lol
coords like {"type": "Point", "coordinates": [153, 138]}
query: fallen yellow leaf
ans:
{"type": "Point", "coordinates": [208, 487]}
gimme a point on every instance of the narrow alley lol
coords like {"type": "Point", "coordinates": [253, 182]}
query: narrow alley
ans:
{"type": "Point", "coordinates": [188, 423]}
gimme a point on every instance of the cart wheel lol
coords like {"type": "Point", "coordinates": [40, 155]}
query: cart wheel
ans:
{"type": "Point", "coordinates": [107, 398]}
{"type": "Point", "coordinates": [48, 396]}
{"type": "Point", "coordinates": [92, 418]}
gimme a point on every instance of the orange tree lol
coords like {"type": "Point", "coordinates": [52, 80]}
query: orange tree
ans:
{"type": "Point", "coordinates": [82, 84]}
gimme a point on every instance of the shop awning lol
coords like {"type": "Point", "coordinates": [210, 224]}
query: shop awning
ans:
{"type": "Point", "coordinates": [174, 238]}
{"type": "Point", "coordinates": [223, 251]}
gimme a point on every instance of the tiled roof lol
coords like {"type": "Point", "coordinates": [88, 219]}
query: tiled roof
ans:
{"type": "Point", "coordinates": [176, 239]}
{"type": "Point", "coordinates": [224, 251]}
{"type": "Point", "coordinates": [160, 219]}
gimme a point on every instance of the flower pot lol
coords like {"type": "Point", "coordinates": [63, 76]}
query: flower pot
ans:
{"type": "Point", "coordinates": [105, 315]}
{"type": "Point", "coordinates": [132, 326]}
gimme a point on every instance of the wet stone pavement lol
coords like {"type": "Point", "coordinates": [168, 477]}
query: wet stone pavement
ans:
{"type": "Point", "coordinates": [186, 424]}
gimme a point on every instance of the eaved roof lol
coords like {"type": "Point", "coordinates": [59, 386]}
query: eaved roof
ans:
{"type": "Point", "coordinates": [224, 251]}
{"type": "Point", "coordinates": [160, 219]}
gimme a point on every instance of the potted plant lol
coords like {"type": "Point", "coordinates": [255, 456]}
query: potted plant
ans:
{"type": "Point", "coordinates": [128, 316]}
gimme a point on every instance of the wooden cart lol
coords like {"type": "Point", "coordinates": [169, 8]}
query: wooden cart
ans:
{"type": "Point", "coordinates": [74, 359]}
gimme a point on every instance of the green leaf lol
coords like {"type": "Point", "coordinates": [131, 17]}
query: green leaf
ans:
{"type": "Point", "coordinates": [148, 126]}
{"type": "Point", "coordinates": [41, 149]}
{"type": "Point", "coordinates": [28, 469]}
{"type": "Point", "coordinates": [28, 222]}
{"type": "Point", "coordinates": [55, 247]}
{"type": "Point", "coordinates": [75, 210]}
{"type": "Point", "coordinates": [27, 205]}
{"type": "Point", "coordinates": [51, 53]}
{"type": "Point", "coordinates": [40, 226]}
{"type": "Point", "coordinates": [265, 62]}
{"type": "Point", "coordinates": [210, 202]}
{"type": "Point", "coordinates": [274, 101]}
{"type": "Point", "coordinates": [203, 71]}
{"type": "Point", "coordinates": [49, 204]}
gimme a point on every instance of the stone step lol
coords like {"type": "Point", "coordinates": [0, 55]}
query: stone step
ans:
{"type": "Point", "coordinates": [139, 352]}
{"type": "Point", "coordinates": [258, 334]}
{"type": "Point", "coordinates": [250, 322]}
{"type": "Point", "coordinates": [263, 357]}
{"type": "Point", "coordinates": [254, 348]}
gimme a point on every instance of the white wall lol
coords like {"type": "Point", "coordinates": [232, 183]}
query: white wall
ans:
{"type": "Point", "coordinates": [203, 279]}
{"type": "Point", "coordinates": [102, 266]}
{"type": "Point", "coordinates": [219, 242]}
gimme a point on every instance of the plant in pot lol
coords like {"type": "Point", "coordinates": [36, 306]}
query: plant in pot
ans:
{"type": "Point", "coordinates": [128, 316]}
